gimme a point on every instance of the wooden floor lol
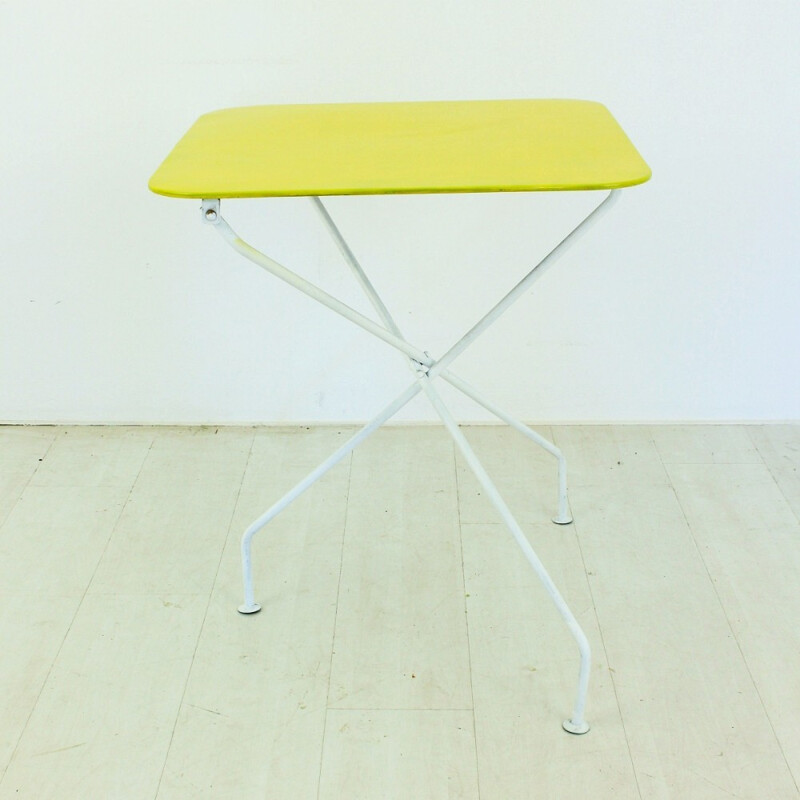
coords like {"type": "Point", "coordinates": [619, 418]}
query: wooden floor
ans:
{"type": "Point", "coordinates": [405, 649]}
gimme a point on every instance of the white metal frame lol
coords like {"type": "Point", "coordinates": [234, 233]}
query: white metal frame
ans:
{"type": "Point", "coordinates": [426, 370]}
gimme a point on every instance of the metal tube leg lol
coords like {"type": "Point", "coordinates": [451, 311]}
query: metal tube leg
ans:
{"type": "Point", "coordinates": [250, 606]}
{"type": "Point", "coordinates": [355, 266]}
{"type": "Point", "coordinates": [576, 724]}
{"type": "Point", "coordinates": [563, 517]}
{"type": "Point", "coordinates": [307, 288]}
{"type": "Point", "coordinates": [537, 272]}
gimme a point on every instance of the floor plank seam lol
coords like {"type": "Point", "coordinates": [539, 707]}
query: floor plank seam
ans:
{"type": "Point", "coordinates": [335, 621]}
{"type": "Point", "coordinates": [28, 482]}
{"type": "Point", "coordinates": [466, 622]}
{"type": "Point", "coordinates": [771, 472]}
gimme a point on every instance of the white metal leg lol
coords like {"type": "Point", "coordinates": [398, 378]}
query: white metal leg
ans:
{"type": "Point", "coordinates": [563, 517]}
{"type": "Point", "coordinates": [426, 369]}
{"type": "Point", "coordinates": [250, 606]}
{"type": "Point", "coordinates": [476, 330]}
{"type": "Point", "coordinates": [306, 287]}
{"type": "Point", "coordinates": [577, 723]}
{"type": "Point", "coordinates": [356, 268]}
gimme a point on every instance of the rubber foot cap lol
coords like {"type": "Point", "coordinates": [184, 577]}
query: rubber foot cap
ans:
{"type": "Point", "coordinates": [562, 520]}
{"type": "Point", "coordinates": [253, 609]}
{"type": "Point", "coordinates": [570, 727]}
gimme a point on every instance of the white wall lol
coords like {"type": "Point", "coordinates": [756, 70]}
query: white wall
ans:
{"type": "Point", "coordinates": [118, 305]}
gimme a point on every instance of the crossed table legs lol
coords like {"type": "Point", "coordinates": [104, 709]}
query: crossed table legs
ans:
{"type": "Point", "coordinates": [426, 370]}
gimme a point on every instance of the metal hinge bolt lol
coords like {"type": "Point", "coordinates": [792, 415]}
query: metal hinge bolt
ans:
{"type": "Point", "coordinates": [210, 211]}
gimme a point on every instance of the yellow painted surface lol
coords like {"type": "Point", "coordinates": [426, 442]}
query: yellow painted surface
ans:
{"type": "Point", "coordinates": [388, 148]}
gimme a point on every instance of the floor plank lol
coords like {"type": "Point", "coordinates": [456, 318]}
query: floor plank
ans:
{"type": "Point", "coordinates": [22, 450]}
{"type": "Point", "coordinates": [171, 533]}
{"type": "Point", "coordinates": [749, 540]}
{"type": "Point", "coordinates": [95, 456]}
{"type": "Point", "coordinates": [401, 637]}
{"type": "Point", "coordinates": [32, 629]}
{"type": "Point", "coordinates": [55, 537]}
{"type": "Point", "coordinates": [103, 722]}
{"type": "Point", "coordinates": [779, 447]}
{"type": "Point", "coordinates": [693, 718]}
{"type": "Point", "coordinates": [252, 720]}
{"type": "Point", "coordinates": [705, 444]}
{"type": "Point", "coordinates": [524, 473]}
{"type": "Point", "coordinates": [399, 754]}
{"type": "Point", "coordinates": [525, 670]}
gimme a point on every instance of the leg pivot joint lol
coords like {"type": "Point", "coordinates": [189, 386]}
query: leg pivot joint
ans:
{"type": "Point", "coordinates": [210, 211]}
{"type": "Point", "coordinates": [419, 367]}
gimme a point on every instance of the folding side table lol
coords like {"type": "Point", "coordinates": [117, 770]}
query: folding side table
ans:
{"type": "Point", "coordinates": [401, 148]}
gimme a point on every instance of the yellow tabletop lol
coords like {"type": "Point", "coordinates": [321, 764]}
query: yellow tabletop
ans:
{"type": "Point", "coordinates": [391, 148]}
